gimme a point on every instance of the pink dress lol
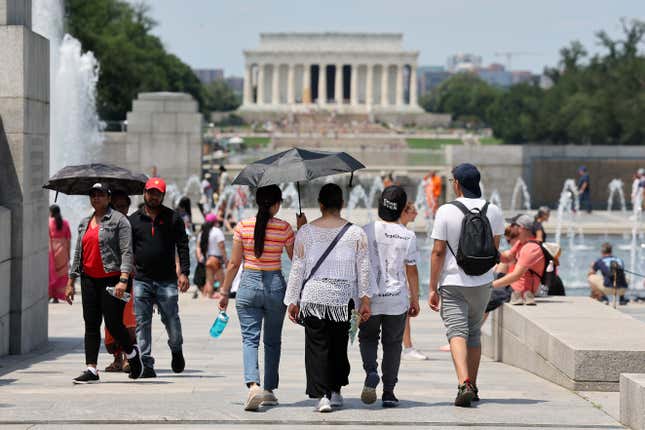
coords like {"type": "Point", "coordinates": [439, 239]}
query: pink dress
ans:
{"type": "Point", "coordinates": [59, 254]}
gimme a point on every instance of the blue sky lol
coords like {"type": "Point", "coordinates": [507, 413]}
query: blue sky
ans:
{"type": "Point", "coordinates": [213, 33]}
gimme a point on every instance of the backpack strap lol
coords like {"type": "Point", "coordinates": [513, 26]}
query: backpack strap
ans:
{"type": "Point", "coordinates": [484, 209]}
{"type": "Point", "coordinates": [460, 206]}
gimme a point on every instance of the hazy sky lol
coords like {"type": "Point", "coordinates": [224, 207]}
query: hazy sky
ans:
{"type": "Point", "coordinates": [213, 33]}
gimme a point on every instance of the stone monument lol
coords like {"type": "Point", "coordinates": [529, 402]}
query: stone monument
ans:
{"type": "Point", "coordinates": [24, 164]}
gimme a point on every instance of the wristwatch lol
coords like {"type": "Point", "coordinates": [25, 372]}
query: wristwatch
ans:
{"type": "Point", "coordinates": [124, 280]}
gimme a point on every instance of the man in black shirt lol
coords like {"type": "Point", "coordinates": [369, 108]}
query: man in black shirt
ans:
{"type": "Point", "coordinates": [157, 232]}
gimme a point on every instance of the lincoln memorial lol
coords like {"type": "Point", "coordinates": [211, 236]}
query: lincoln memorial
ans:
{"type": "Point", "coordinates": [349, 73]}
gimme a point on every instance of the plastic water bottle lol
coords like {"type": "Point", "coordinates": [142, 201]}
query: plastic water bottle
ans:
{"type": "Point", "coordinates": [125, 298]}
{"type": "Point", "coordinates": [219, 324]}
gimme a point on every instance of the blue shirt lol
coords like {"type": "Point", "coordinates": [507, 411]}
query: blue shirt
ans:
{"type": "Point", "coordinates": [584, 179]}
{"type": "Point", "coordinates": [604, 266]}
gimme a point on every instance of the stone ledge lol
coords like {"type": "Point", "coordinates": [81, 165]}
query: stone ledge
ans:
{"type": "Point", "coordinates": [575, 342]}
{"type": "Point", "coordinates": [632, 400]}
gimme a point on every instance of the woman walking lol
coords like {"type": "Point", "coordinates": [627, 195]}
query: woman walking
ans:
{"type": "Point", "coordinates": [211, 251]}
{"type": "Point", "coordinates": [260, 241]}
{"type": "Point", "coordinates": [322, 299]}
{"type": "Point", "coordinates": [60, 238]}
{"type": "Point", "coordinates": [103, 258]}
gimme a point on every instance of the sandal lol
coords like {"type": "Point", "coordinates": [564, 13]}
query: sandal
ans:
{"type": "Point", "coordinates": [116, 365]}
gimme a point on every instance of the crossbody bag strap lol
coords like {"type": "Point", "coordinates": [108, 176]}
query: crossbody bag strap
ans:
{"type": "Point", "coordinates": [322, 258]}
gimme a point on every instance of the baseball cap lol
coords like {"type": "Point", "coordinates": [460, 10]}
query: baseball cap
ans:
{"type": "Point", "coordinates": [212, 218]}
{"type": "Point", "coordinates": [522, 220]}
{"type": "Point", "coordinates": [100, 186]}
{"type": "Point", "coordinates": [156, 184]}
{"type": "Point", "coordinates": [391, 203]}
{"type": "Point", "coordinates": [468, 177]}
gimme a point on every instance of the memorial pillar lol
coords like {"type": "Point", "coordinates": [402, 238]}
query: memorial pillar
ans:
{"type": "Point", "coordinates": [399, 85]}
{"type": "Point", "coordinates": [247, 100]}
{"type": "Point", "coordinates": [306, 83]}
{"type": "Point", "coordinates": [275, 86]}
{"type": "Point", "coordinates": [338, 85]}
{"type": "Point", "coordinates": [384, 84]}
{"type": "Point", "coordinates": [322, 84]}
{"type": "Point", "coordinates": [291, 85]}
{"type": "Point", "coordinates": [413, 85]}
{"type": "Point", "coordinates": [260, 100]}
{"type": "Point", "coordinates": [353, 90]}
{"type": "Point", "coordinates": [369, 90]}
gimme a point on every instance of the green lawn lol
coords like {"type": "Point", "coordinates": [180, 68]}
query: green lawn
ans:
{"type": "Point", "coordinates": [490, 141]}
{"type": "Point", "coordinates": [429, 143]}
{"type": "Point", "coordinates": [257, 140]}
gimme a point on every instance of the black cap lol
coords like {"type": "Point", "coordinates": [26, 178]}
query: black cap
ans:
{"type": "Point", "coordinates": [468, 177]}
{"type": "Point", "coordinates": [391, 203]}
{"type": "Point", "coordinates": [100, 186]}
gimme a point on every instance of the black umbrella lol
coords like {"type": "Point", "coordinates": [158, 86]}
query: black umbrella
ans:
{"type": "Point", "coordinates": [77, 180]}
{"type": "Point", "coordinates": [297, 165]}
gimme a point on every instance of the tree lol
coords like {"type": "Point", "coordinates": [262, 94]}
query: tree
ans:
{"type": "Point", "coordinates": [219, 97]}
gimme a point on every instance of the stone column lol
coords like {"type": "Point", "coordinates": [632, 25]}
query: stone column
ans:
{"type": "Point", "coordinates": [384, 86]}
{"type": "Point", "coordinates": [413, 85]}
{"type": "Point", "coordinates": [24, 168]}
{"type": "Point", "coordinates": [260, 88]}
{"type": "Point", "coordinates": [291, 85]}
{"type": "Point", "coordinates": [353, 90]}
{"type": "Point", "coordinates": [322, 84]}
{"type": "Point", "coordinates": [306, 83]}
{"type": "Point", "coordinates": [275, 87]}
{"type": "Point", "coordinates": [247, 85]}
{"type": "Point", "coordinates": [338, 85]}
{"type": "Point", "coordinates": [399, 85]}
{"type": "Point", "coordinates": [369, 90]}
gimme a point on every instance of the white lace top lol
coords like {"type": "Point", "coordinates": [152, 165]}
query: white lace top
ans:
{"type": "Point", "coordinates": [344, 275]}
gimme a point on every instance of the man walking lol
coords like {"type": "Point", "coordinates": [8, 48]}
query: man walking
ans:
{"type": "Point", "coordinates": [393, 255]}
{"type": "Point", "coordinates": [466, 237]}
{"type": "Point", "coordinates": [158, 232]}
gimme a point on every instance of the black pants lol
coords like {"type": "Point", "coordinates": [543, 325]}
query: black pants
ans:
{"type": "Point", "coordinates": [326, 359]}
{"type": "Point", "coordinates": [99, 304]}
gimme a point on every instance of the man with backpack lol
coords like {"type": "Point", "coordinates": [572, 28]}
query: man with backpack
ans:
{"type": "Point", "coordinates": [530, 264]}
{"type": "Point", "coordinates": [613, 281]}
{"type": "Point", "coordinates": [466, 237]}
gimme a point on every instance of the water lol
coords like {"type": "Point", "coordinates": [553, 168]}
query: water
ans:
{"type": "Point", "coordinates": [495, 199]}
{"type": "Point", "coordinates": [616, 188]}
{"type": "Point", "coordinates": [219, 324]}
{"type": "Point", "coordinates": [520, 188]}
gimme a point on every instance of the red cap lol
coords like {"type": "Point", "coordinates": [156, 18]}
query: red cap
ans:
{"type": "Point", "coordinates": [156, 184]}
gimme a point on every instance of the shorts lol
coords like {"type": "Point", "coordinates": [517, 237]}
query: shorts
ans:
{"type": "Point", "coordinates": [462, 311]}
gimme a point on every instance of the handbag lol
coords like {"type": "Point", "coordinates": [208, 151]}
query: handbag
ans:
{"type": "Point", "coordinates": [322, 258]}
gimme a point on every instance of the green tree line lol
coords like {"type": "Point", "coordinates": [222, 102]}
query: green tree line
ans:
{"type": "Point", "coordinates": [133, 60]}
{"type": "Point", "coordinates": [592, 100]}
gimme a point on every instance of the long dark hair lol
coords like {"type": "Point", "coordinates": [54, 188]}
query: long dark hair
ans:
{"type": "Point", "coordinates": [54, 212]}
{"type": "Point", "coordinates": [265, 197]}
{"type": "Point", "coordinates": [203, 242]}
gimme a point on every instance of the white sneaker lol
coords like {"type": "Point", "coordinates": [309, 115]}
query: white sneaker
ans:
{"type": "Point", "coordinates": [324, 405]}
{"type": "Point", "coordinates": [336, 399]}
{"type": "Point", "coordinates": [269, 399]}
{"type": "Point", "coordinates": [255, 398]}
{"type": "Point", "coordinates": [529, 298]}
{"type": "Point", "coordinates": [516, 298]}
{"type": "Point", "coordinates": [413, 354]}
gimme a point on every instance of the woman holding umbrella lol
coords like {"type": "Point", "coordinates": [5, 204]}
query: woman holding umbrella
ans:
{"type": "Point", "coordinates": [260, 241]}
{"type": "Point", "coordinates": [103, 258]}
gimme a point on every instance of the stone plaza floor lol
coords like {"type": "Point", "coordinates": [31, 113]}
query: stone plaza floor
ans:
{"type": "Point", "coordinates": [36, 390]}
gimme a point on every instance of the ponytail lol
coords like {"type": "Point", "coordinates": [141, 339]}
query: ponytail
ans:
{"type": "Point", "coordinates": [54, 212]}
{"type": "Point", "coordinates": [265, 197]}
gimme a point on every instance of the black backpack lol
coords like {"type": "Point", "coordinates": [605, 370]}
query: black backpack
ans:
{"type": "Point", "coordinates": [477, 253]}
{"type": "Point", "coordinates": [549, 279]}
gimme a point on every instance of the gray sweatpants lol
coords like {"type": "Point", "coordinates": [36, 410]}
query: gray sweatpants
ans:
{"type": "Point", "coordinates": [393, 327]}
{"type": "Point", "coordinates": [462, 311]}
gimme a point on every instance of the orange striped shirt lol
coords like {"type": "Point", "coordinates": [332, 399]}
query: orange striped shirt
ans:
{"type": "Point", "coordinates": [278, 235]}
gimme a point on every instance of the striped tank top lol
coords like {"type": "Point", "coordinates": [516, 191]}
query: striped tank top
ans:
{"type": "Point", "coordinates": [278, 235]}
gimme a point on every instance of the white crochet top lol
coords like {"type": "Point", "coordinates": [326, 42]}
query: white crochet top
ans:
{"type": "Point", "coordinates": [344, 275]}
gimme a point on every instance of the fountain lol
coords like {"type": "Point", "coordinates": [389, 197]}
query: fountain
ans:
{"type": "Point", "coordinates": [425, 208]}
{"type": "Point", "coordinates": [616, 187]}
{"type": "Point", "coordinates": [495, 199]}
{"type": "Point", "coordinates": [356, 196]}
{"type": "Point", "coordinates": [289, 196]}
{"type": "Point", "coordinates": [520, 187]}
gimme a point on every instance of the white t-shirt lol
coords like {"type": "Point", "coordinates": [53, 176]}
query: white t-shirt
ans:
{"type": "Point", "coordinates": [215, 237]}
{"type": "Point", "coordinates": [391, 248]}
{"type": "Point", "coordinates": [447, 226]}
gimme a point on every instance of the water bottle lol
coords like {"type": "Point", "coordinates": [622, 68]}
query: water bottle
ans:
{"type": "Point", "coordinates": [125, 298]}
{"type": "Point", "coordinates": [219, 324]}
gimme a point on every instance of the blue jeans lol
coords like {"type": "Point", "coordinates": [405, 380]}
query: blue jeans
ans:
{"type": "Point", "coordinates": [166, 296]}
{"type": "Point", "coordinates": [260, 297]}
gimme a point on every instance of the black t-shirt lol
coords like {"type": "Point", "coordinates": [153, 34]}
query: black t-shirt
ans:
{"type": "Point", "coordinates": [537, 226]}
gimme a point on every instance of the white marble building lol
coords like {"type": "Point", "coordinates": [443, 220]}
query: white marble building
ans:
{"type": "Point", "coordinates": [354, 73]}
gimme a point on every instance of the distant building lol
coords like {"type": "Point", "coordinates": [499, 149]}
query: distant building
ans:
{"type": "Point", "coordinates": [209, 75]}
{"type": "Point", "coordinates": [236, 83]}
{"type": "Point", "coordinates": [496, 75]}
{"type": "Point", "coordinates": [464, 62]}
{"type": "Point", "coordinates": [522, 76]}
{"type": "Point", "coordinates": [430, 77]}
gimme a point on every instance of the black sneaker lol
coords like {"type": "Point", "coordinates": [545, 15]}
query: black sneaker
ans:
{"type": "Point", "coordinates": [87, 377]}
{"type": "Point", "coordinates": [148, 372]}
{"type": "Point", "coordinates": [178, 363]}
{"type": "Point", "coordinates": [389, 399]}
{"type": "Point", "coordinates": [136, 365]}
{"type": "Point", "coordinates": [476, 391]}
{"type": "Point", "coordinates": [465, 395]}
{"type": "Point", "coordinates": [368, 395]}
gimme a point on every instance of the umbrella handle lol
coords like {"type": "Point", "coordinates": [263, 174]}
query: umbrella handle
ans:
{"type": "Point", "coordinates": [351, 178]}
{"type": "Point", "coordinates": [56, 197]}
{"type": "Point", "coordinates": [299, 205]}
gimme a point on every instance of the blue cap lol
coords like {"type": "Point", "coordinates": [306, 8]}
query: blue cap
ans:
{"type": "Point", "coordinates": [468, 177]}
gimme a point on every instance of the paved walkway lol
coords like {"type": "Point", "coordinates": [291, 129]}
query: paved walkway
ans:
{"type": "Point", "coordinates": [36, 390]}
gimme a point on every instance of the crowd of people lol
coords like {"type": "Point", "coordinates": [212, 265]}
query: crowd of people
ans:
{"type": "Point", "coordinates": [345, 280]}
